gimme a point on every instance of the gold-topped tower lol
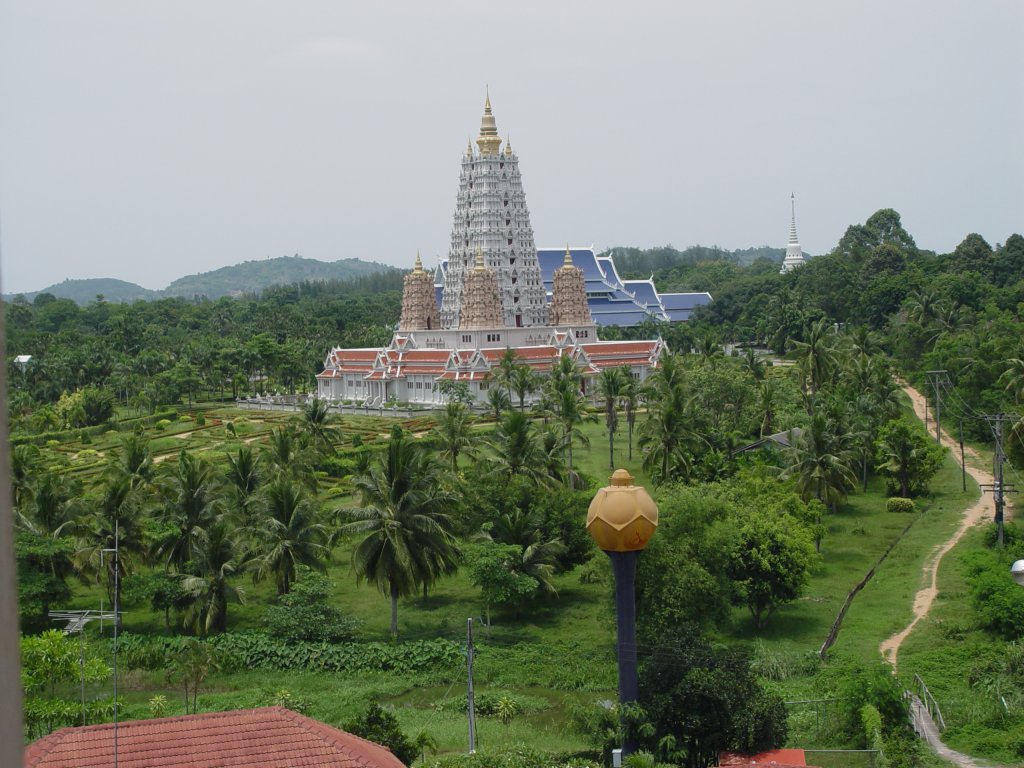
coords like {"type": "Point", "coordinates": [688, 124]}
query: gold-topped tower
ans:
{"type": "Point", "coordinates": [489, 141]}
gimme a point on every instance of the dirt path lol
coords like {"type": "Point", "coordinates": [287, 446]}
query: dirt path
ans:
{"type": "Point", "coordinates": [980, 510]}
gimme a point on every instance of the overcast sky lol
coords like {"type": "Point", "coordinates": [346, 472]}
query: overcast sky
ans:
{"type": "Point", "coordinates": [150, 140]}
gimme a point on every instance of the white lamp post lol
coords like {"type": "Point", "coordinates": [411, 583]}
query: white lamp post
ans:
{"type": "Point", "coordinates": [1017, 571]}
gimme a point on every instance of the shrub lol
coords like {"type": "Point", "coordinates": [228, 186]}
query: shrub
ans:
{"type": "Point", "coordinates": [200, 420]}
{"type": "Point", "coordinates": [304, 614]}
{"type": "Point", "coordinates": [899, 504]}
{"type": "Point", "coordinates": [381, 727]}
{"type": "Point", "coordinates": [162, 424]}
{"type": "Point", "coordinates": [252, 650]}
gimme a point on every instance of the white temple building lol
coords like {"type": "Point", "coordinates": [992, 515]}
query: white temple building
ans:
{"type": "Point", "coordinates": [490, 295]}
{"type": "Point", "coordinates": [794, 254]}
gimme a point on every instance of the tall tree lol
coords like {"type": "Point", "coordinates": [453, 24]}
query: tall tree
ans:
{"type": "Point", "coordinates": [190, 503]}
{"type": "Point", "coordinates": [288, 534]}
{"type": "Point", "coordinates": [407, 533]}
{"type": "Point", "coordinates": [610, 385]}
{"type": "Point", "coordinates": [454, 432]}
{"type": "Point", "coordinates": [218, 557]}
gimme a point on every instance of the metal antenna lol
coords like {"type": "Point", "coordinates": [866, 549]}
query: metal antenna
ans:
{"type": "Point", "coordinates": [117, 616]}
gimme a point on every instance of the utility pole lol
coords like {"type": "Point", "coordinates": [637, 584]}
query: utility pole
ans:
{"type": "Point", "coordinates": [998, 487]}
{"type": "Point", "coordinates": [963, 464]}
{"type": "Point", "coordinates": [937, 378]}
{"type": "Point", "coordinates": [470, 703]}
{"type": "Point", "coordinates": [117, 615]}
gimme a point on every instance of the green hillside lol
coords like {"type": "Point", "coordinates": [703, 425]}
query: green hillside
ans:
{"type": "Point", "coordinates": [255, 276]}
{"type": "Point", "coordinates": [86, 290]}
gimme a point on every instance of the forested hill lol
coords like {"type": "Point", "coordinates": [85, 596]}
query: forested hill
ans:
{"type": "Point", "coordinates": [634, 263]}
{"type": "Point", "coordinates": [86, 290]}
{"type": "Point", "coordinates": [255, 276]}
{"type": "Point", "coordinates": [250, 277]}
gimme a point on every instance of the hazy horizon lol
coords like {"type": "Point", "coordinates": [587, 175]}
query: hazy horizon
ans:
{"type": "Point", "coordinates": [146, 142]}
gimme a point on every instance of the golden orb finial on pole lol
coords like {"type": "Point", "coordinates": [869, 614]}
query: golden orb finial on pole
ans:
{"type": "Point", "coordinates": [622, 517]}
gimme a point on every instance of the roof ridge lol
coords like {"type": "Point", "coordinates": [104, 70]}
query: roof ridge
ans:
{"type": "Point", "coordinates": [330, 733]}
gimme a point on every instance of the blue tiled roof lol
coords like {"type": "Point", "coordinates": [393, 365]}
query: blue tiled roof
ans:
{"type": "Point", "coordinates": [612, 301]}
{"type": "Point", "coordinates": [684, 300]}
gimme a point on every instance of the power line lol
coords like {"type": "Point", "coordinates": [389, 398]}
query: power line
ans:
{"type": "Point", "coordinates": [998, 487]}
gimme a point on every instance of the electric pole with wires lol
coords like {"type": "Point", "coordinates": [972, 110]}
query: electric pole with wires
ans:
{"type": "Point", "coordinates": [998, 487]}
{"type": "Point", "coordinates": [937, 379]}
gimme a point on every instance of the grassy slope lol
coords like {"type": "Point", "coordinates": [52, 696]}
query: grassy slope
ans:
{"type": "Point", "coordinates": [572, 629]}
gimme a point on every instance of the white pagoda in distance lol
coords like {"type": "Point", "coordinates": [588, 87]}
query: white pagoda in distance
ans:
{"type": "Point", "coordinates": [492, 298]}
{"type": "Point", "coordinates": [794, 254]}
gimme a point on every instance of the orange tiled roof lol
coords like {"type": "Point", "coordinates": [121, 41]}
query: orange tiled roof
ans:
{"type": "Point", "coordinates": [776, 758]}
{"type": "Point", "coordinates": [270, 737]}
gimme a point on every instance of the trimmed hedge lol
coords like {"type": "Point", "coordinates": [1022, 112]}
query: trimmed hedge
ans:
{"type": "Point", "coordinates": [251, 650]}
{"type": "Point", "coordinates": [899, 504]}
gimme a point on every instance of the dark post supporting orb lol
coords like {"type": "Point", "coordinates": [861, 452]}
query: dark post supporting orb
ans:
{"type": "Point", "coordinates": [622, 519]}
{"type": "Point", "coordinates": [624, 568]}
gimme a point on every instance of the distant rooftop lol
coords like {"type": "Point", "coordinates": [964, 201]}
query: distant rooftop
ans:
{"type": "Point", "coordinates": [270, 737]}
{"type": "Point", "coordinates": [612, 300]}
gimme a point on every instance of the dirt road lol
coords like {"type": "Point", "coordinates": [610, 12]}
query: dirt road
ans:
{"type": "Point", "coordinates": [983, 509]}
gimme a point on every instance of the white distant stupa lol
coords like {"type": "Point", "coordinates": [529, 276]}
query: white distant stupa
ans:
{"type": "Point", "coordinates": [794, 255]}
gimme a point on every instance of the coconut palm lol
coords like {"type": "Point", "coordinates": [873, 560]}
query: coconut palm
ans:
{"type": "Point", "coordinates": [287, 534]}
{"type": "Point", "coordinates": [666, 437]}
{"type": "Point", "coordinates": [610, 384]}
{"type": "Point", "coordinates": [243, 478]}
{"type": "Point", "coordinates": [505, 370]}
{"type": "Point", "coordinates": [498, 402]}
{"type": "Point", "coordinates": [1013, 378]}
{"type": "Point", "coordinates": [218, 557]}
{"type": "Point", "coordinates": [114, 521]}
{"type": "Point", "coordinates": [629, 399]}
{"type": "Point", "coordinates": [523, 382]}
{"type": "Point", "coordinates": [454, 432]}
{"type": "Point", "coordinates": [315, 421]}
{"type": "Point", "coordinates": [753, 364]}
{"type": "Point", "coordinates": [815, 355]}
{"type": "Point", "coordinates": [821, 460]}
{"type": "Point", "coordinates": [52, 506]}
{"type": "Point", "coordinates": [407, 538]}
{"type": "Point", "coordinates": [190, 503]}
{"type": "Point", "coordinates": [517, 449]}
{"type": "Point", "coordinates": [135, 461]}
{"type": "Point", "coordinates": [24, 459]}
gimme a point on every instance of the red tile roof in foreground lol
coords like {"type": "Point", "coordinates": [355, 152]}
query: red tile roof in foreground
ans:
{"type": "Point", "coordinates": [270, 737]}
{"type": "Point", "coordinates": [776, 758]}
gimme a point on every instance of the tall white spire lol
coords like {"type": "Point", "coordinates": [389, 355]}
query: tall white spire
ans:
{"type": "Point", "coordinates": [794, 254]}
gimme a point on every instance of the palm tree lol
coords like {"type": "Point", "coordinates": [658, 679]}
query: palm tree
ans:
{"type": "Point", "coordinates": [523, 382]}
{"type": "Point", "coordinates": [243, 479]}
{"type": "Point", "coordinates": [135, 461]}
{"type": "Point", "coordinates": [820, 460]}
{"type": "Point", "coordinates": [568, 406]}
{"type": "Point", "coordinates": [1013, 378]}
{"type": "Point", "coordinates": [629, 399]}
{"type": "Point", "coordinates": [506, 369]}
{"type": "Point", "coordinates": [610, 384]}
{"type": "Point", "coordinates": [285, 454]}
{"type": "Point", "coordinates": [114, 522]}
{"type": "Point", "coordinates": [708, 350]}
{"type": "Point", "coordinates": [408, 539]}
{"type": "Point", "coordinates": [454, 432]}
{"type": "Point", "coordinates": [23, 463]}
{"type": "Point", "coordinates": [191, 502]}
{"type": "Point", "coordinates": [315, 421]}
{"type": "Point", "coordinates": [815, 355]}
{"type": "Point", "coordinates": [768, 404]}
{"type": "Point", "coordinates": [665, 437]}
{"type": "Point", "coordinates": [752, 364]}
{"type": "Point", "coordinates": [217, 558]}
{"type": "Point", "coordinates": [287, 535]}
{"type": "Point", "coordinates": [517, 450]}
{"type": "Point", "coordinates": [498, 402]}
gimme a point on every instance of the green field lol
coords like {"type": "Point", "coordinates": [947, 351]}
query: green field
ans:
{"type": "Point", "coordinates": [559, 653]}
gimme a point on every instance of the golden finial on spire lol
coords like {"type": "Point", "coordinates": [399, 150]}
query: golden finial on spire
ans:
{"type": "Point", "coordinates": [489, 141]}
{"type": "Point", "coordinates": [419, 264]}
{"type": "Point", "coordinates": [508, 146]}
{"type": "Point", "coordinates": [480, 259]}
{"type": "Point", "coordinates": [567, 261]}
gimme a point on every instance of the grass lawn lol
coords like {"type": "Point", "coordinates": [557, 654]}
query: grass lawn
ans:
{"type": "Point", "coordinates": [560, 652]}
